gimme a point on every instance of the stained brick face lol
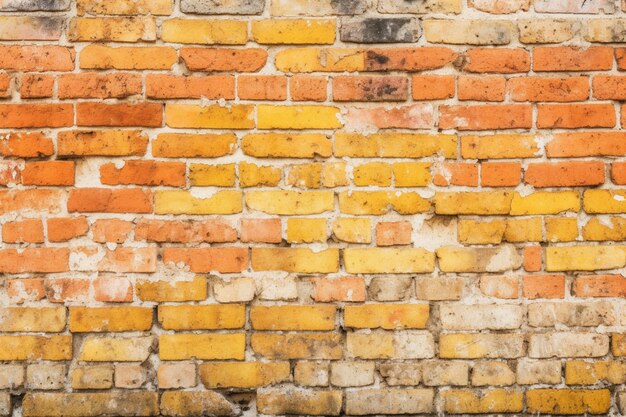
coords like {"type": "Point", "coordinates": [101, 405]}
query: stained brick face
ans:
{"type": "Point", "coordinates": [312, 207]}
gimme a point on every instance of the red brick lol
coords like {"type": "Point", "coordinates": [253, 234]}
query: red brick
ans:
{"type": "Point", "coordinates": [548, 89]}
{"type": "Point", "coordinates": [213, 231]}
{"type": "Point", "coordinates": [144, 173]}
{"type": "Point", "coordinates": [432, 87]}
{"type": "Point", "coordinates": [223, 59]}
{"type": "Point", "coordinates": [600, 286]}
{"type": "Point", "coordinates": [123, 114]}
{"type": "Point", "coordinates": [111, 230]}
{"type": "Point", "coordinates": [486, 117]}
{"type": "Point", "coordinates": [484, 88]}
{"type": "Point", "coordinates": [36, 115]}
{"type": "Point", "coordinates": [393, 233]}
{"type": "Point", "coordinates": [571, 58]}
{"type": "Point", "coordinates": [63, 229]}
{"type": "Point", "coordinates": [262, 87]}
{"type": "Point", "coordinates": [573, 116]}
{"type": "Point", "coordinates": [565, 174]}
{"type": "Point", "coordinates": [167, 86]}
{"type": "Point", "coordinates": [225, 260]}
{"type": "Point", "coordinates": [370, 88]}
{"type": "Point", "coordinates": [48, 173]}
{"type": "Point", "coordinates": [36, 86]}
{"type": "Point", "coordinates": [497, 60]}
{"type": "Point", "coordinates": [408, 59]}
{"type": "Point", "coordinates": [97, 85]}
{"type": "Point", "coordinates": [543, 286]}
{"type": "Point", "coordinates": [24, 231]}
{"type": "Point", "coordinates": [36, 58]}
{"type": "Point", "coordinates": [261, 230]}
{"type": "Point", "coordinates": [44, 260]}
{"type": "Point", "coordinates": [500, 174]}
{"type": "Point", "coordinates": [107, 200]}
{"type": "Point", "coordinates": [26, 145]}
{"type": "Point", "coordinates": [307, 88]}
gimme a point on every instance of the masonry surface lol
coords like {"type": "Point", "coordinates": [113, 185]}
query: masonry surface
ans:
{"type": "Point", "coordinates": [312, 207]}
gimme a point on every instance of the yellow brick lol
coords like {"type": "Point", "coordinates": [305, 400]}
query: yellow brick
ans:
{"type": "Point", "coordinates": [297, 345]}
{"type": "Point", "coordinates": [322, 60]}
{"type": "Point", "coordinates": [561, 229]}
{"type": "Point", "coordinates": [251, 175]}
{"type": "Point", "coordinates": [128, 58]}
{"type": "Point", "coordinates": [524, 230]}
{"type": "Point", "coordinates": [202, 346]}
{"type": "Point", "coordinates": [395, 145]}
{"type": "Point", "coordinates": [318, 317]}
{"type": "Point", "coordinates": [370, 346]}
{"type": "Point", "coordinates": [196, 403]}
{"type": "Point", "coordinates": [473, 232]}
{"type": "Point", "coordinates": [545, 202]}
{"type": "Point", "coordinates": [614, 228]}
{"type": "Point", "coordinates": [386, 316]}
{"type": "Point", "coordinates": [565, 401]}
{"type": "Point", "coordinates": [334, 174]}
{"type": "Point", "coordinates": [58, 404]}
{"type": "Point", "coordinates": [280, 401]}
{"type": "Point", "coordinates": [388, 260]}
{"type": "Point", "coordinates": [604, 201]}
{"type": "Point", "coordinates": [212, 175]}
{"type": "Point", "coordinates": [124, 7]}
{"type": "Point", "coordinates": [92, 377]}
{"type": "Point", "coordinates": [373, 173]}
{"type": "Point", "coordinates": [461, 401]}
{"type": "Point", "coordinates": [236, 116]}
{"type": "Point", "coordinates": [477, 345]}
{"type": "Point", "coordinates": [381, 202]}
{"type": "Point", "coordinates": [353, 230]}
{"type": "Point", "coordinates": [301, 260]}
{"type": "Point", "coordinates": [200, 317]}
{"type": "Point", "coordinates": [584, 258]}
{"type": "Point", "coordinates": [243, 374]}
{"type": "Point", "coordinates": [110, 319]}
{"type": "Point", "coordinates": [279, 145]}
{"type": "Point", "coordinates": [35, 348]}
{"type": "Point", "coordinates": [294, 31]}
{"type": "Point", "coordinates": [305, 175]}
{"type": "Point", "coordinates": [298, 117]}
{"type": "Point", "coordinates": [223, 32]}
{"type": "Point", "coordinates": [500, 146]}
{"type": "Point", "coordinates": [618, 344]}
{"type": "Point", "coordinates": [25, 319]}
{"type": "Point", "coordinates": [290, 202]}
{"type": "Point", "coordinates": [183, 202]}
{"type": "Point", "coordinates": [160, 291]}
{"type": "Point", "coordinates": [176, 145]}
{"type": "Point", "coordinates": [116, 349]}
{"type": "Point", "coordinates": [487, 203]}
{"type": "Point", "coordinates": [306, 230]}
{"type": "Point", "coordinates": [463, 259]}
{"type": "Point", "coordinates": [590, 373]}
{"type": "Point", "coordinates": [112, 29]}
{"type": "Point", "coordinates": [412, 174]}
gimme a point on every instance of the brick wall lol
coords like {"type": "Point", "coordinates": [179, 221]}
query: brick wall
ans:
{"type": "Point", "coordinates": [312, 207]}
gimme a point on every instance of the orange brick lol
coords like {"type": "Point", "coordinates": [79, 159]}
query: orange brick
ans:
{"type": "Point", "coordinates": [565, 174]}
{"type": "Point", "coordinates": [36, 86]}
{"type": "Point", "coordinates": [262, 87]}
{"type": "Point", "coordinates": [107, 200]}
{"type": "Point", "coordinates": [393, 233]}
{"type": "Point", "coordinates": [486, 117]}
{"type": "Point", "coordinates": [102, 114]}
{"type": "Point", "coordinates": [48, 173]}
{"type": "Point", "coordinates": [26, 145]}
{"type": "Point", "coordinates": [408, 59]}
{"type": "Point", "coordinates": [261, 230]}
{"type": "Point", "coordinates": [500, 60]}
{"type": "Point", "coordinates": [456, 174]}
{"type": "Point", "coordinates": [432, 87]}
{"type": "Point", "coordinates": [61, 290]}
{"type": "Point", "coordinates": [307, 88]}
{"type": "Point", "coordinates": [351, 289]}
{"type": "Point", "coordinates": [223, 59]}
{"type": "Point", "coordinates": [96, 85]}
{"type": "Point", "coordinates": [548, 89]}
{"type": "Point", "coordinates": [500, 174]}
{"type": "Point", "coordinates": [618, 173]}
{"type": "Point", "coordinates": [111, 230]}
{"type": "Point", "coordinates": [543, 286]}
{"type": "Point", "coordinates": [572, 116]}
{"type": "Point", "coordinates": [580, 144]}
{"type": "Point", "coordinates": [34, 260]}
{"type": "Point", "coordinates": [36, 115]}
{"type": "Point", "coordinates": [36, 58]}
{"type": "Point", "coordinates": [483, 88]}
{"type": "Point", "coordinates": [570, 58]}
{"type": "Point", "coordinates": [533, 258]}
{"type": "Point", "coordinates": [113, 290]}
{"type": "Point", "coordinates": [212, 230]}
{"type": "Point", "coordinates": [67, 228]}
{"type": "Point", "coordinates": [370, 88]}
{"type": "Point", "coordinates": [223, 260]}
{"type": "Point", "coordinates": [599, 286]}
{"type": "Point", "coordinates": [144, 173]}
{"type": "Point", "coordinates": [24, 231]}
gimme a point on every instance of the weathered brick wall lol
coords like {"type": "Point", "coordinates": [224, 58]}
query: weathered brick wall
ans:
{"type": "Point", "coordinates": [242, 207]}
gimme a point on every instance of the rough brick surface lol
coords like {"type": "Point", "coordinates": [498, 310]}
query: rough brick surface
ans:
{"type": "Point", "coordinates": [312, 207]}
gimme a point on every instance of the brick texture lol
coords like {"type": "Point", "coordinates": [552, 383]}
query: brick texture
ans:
{"type": "Point", "coordinates": [312, 207]}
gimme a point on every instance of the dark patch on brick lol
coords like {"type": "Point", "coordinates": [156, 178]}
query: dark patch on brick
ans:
{"type": "Point", "coordinates": [34, 5]}
{"type": "Point", "coordinates": [347, 7]}
{"type": "Point", "coordinates": [246, 7]}
{"type": "Point", "coordinates": [380, 30]}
